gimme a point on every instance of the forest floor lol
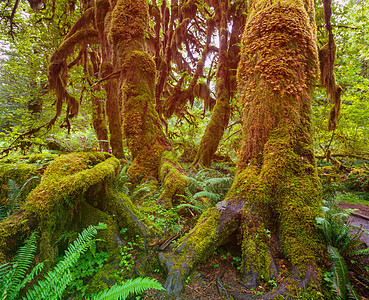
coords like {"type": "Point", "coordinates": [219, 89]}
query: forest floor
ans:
{"type": "Point", "coordinates": [359, 218]}
{"type": "Point", "coordinates": [219, 277]}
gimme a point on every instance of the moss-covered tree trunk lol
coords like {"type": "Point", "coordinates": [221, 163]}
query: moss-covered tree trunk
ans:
{"type": "Point", "coordinates": [136, 89]}
{"type": "Point", "coordinates": [74, 193]}
{"type": "Point", "coordinates": [225, 84]}
{"type": "Point", "coordinates": [102, 11]}
{"type": "Point", "coordinates": [276, 193]}
{"type": "Point", "coordinates": [219, 119]}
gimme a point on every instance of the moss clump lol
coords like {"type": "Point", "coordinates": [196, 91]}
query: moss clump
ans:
{"type": "Point", "coordinates": [54, 204]}
{"type": "Point", "coordinates": [129, 21]}
{"type": "Point", "coordinates": [68, 178]}
{"type": "Point", "coordinates": [128, 216]}
{"type": "Point", "coordinates": [173, 177]}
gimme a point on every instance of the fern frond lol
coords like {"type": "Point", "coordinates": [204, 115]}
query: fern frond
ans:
{"type": "Point", "coordinates": [362, 252]}
{"type": "Point", "coordinates": [26, 183]}
{"type": "Point", "coordinates": [212, 196]}
{"type": "Point", "coordinates": [194, 207]}
{"type": "Point", "coordinates": [193, 185]}
{"type": "Point", "coordinates": [3, 212]}
{"type": "Point", "coordinates": [340, 271]}
{"type": "Point", "coordinates": [27, 279]}
{"type": "Point", "coordinates": [352, 293]}
{"type": "Point", "coordinates": [14, 273]}
{"type": "Point", "coordinates": [13, 190]}
{"type": "Point", "coordinates": [21, 264]}
{"type": "Point", "coordinates": [131, 286]}
{"type": "Point", "coordinates": [55, 282]}
{"type": "Point", "coordinates": [219, 185]}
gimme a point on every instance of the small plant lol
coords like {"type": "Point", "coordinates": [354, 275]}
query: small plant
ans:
{"type": "Point", "coordinates": [13, 276]}
{"type": "Point", "coordinates": [14, 197]}
{"type": "Point", "coordinates": [87, 266]}
{"type": "Point", "coordinates": [237, 261]}
{"type": "Point", "coordinates": [345, 249]}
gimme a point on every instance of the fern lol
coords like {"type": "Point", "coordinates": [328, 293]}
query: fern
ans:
{"type": "Point", "coordinates": [344, 247]}
{"type": "Point", "coordinates": [56, 281]}
{"type": "Point", "coordinates": [14, 196]}
{"type": "Point", "coordinates": [214, 198]}
{"type": "Point", "coordinates": [13, 274]}
{"type": "Point", "coordinates": [340, 272]}
{"type": "Point", "coordinates": [131, 286]}
{"type": "Point", "coordinates": [352, 293]}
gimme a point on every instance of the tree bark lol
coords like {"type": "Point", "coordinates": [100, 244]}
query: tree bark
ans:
{"type": "Point", "coordinates": [151, 151]}
{"type": "Point", "coordinates": [113, 109]}
{"type": "Point", "coordinates": [275, 196]}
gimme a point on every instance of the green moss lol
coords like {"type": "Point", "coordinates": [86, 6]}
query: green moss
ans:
{"type": "Point", "coordinates": [202, 240]}
{"type": "Point", "coordinates": [106, 277]}
{"type": "Point", "coordinates": [173, 177]}
{"type": "Point", "coordinates": [129, 216]}
{"type": "Point", "coordinates": [68, 178]}
{"type": "Point", "coordinates": [93, 216]}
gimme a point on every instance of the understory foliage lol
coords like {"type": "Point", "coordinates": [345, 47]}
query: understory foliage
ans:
{"type": "Point", "coordinates": [205, 189]}
{"type": "Point", "coordinates": [347, 252]}
{"type": "Point", "coordinates": [14, 197]}
{"type": "Point", "coordinates": [14, 277]}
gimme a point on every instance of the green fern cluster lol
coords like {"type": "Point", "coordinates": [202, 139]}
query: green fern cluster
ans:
{"type": "Point", "coordinates": [13, 276]}
{"type": "Point", "coordinates": [14, 197]}
{"type": "Point", "coordinates": [345, 249]}
{"type": "Point", "coordinates": [207, 183]}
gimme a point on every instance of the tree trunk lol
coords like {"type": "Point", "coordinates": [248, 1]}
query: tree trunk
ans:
{"type": "Point", "coordinates": [113, 108]}
{"type": "Point", "coordinates": [99, 123]}
{"type": "Point", "coordinates": [275, 196]}
{"type": "Point", "coordinates": [73, 194]}
{"type": "Point", "coordinates": [225, 85]}
{"type": "Point", "coordinates": [151, 151]}
{"type": "Point", "coordinates": [219, 119]}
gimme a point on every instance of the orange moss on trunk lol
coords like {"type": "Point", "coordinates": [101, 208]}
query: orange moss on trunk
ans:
{"type": "Point", "coordinates": [275, 197]}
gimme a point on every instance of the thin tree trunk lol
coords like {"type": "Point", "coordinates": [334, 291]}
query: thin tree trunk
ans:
{"type": "Point", "coordinates": [224, 88]}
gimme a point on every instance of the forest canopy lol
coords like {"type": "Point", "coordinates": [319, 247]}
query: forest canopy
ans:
{"type": "Point", "coordinates": [186, 126]}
